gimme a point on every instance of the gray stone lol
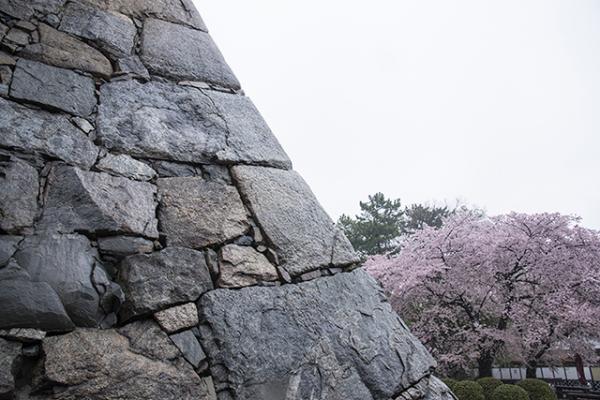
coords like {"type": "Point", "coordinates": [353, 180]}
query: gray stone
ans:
{"type": "Point", "coordinates": [79, 200]}
{"type": "Point", "coordinates": [177, 318]}
{"type": "Point", "coordinates": [25, 9]}
{"type": "Point", "coordinates": [88, 364]}
{"type": "Point", "coordinates": [83, 124]}
{"type": "Point", "coordinates": [331, 338]}
{"type": "Point", "coordinates": [168, 169]}
{"type": "Point", "coordinates": [182, 53]}
{"type": "Point", "coordinates": [25, 304]}
{"type": "Point", "coordinates": [8, 246]}
{"type": "Point", "coordinates": [124, 245]}
{"type": "Point", "coordinates": [10, 358]}
{"type": "Point", "coordinates": [23, 335]}
{"type": "Point", "coordinates": [178, 123]}
{"type": "Point", "coordinates": [196, 213]}
{"type": "Point", "coordinates": [55, 87]}
{"type": "Point", "coordinates": [243, 266]}
{"type": "Point", "coordinates": [124, 165]}
{"type": "Point", "coordinates": [111, 31]}
{"type": "Point", "coordinates": [17, 37]}
{"type": "Point", "coordinates": [63, 50]}
{"type": "Point", "coordinates": [301, 232]}
{"type": "Point", "coordinates": [6, 59]}
{"type": "Point", "coordinates": [18, 197]}
{"type": "Point", "coordinates": [179, 11]}
{"type": "Point", "coordinates": [5, 79]}
{"type": "Point", "coordinates": [146, 338]}
{"type": "Point", "coordinates": [191, 350]}
{"type": "Point", "coordinates": [160, 280]}
{"type": "Point", "coordinates": [66, 263]}
{"type": "Point", "coordinates": [134, 66]}
{"type": "Point", "coordinates": [216, 173]}
{"type": "Point", "coordinates": [40, 131]}
{"type": "Point", "coordinates": [25, 25]}
{"type": "Point", "coordinates": [12, 270]}
{"type": "Point", "coordinates": [428, 388]}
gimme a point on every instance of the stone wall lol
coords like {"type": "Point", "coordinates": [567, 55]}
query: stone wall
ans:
{"type": "Point", "coordinates": [154, 241]}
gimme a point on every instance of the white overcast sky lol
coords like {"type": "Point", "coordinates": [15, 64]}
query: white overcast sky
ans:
{"type": "Point", "coordinates": [496, 103]}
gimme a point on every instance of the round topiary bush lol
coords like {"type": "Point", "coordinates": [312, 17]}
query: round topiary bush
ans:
{"type": "Point", "coordinates": [537, 389]}
{"type": "Point", "coordinates": [468, 390]}
{"type": "Point", "coordinates": [509, 392]}
{"type": "Point", "coordinates": [450, 383]}
{"type": "Point", "coordinates": [489, 384]}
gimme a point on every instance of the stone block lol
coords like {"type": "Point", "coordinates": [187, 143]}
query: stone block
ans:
{"type": "Point", "coordinates": [124, 165]}
{"type": "Point", "coordinates": [243, 266]}
{"type": "Point", "coordinates": [177, 318]}
{"type": "Point", "coordinates": [18, 196]}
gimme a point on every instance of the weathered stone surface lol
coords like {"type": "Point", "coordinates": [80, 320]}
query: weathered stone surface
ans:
{"type": "Point", "coordinates": [10, 354]}
{"type": "Point", "coordinates": [6, 59]}
{"type": "Point", "coordinates": [87, 364]}
{"type": "Point", "coordinates": [67, 263]}
{"type": "Point", "coordinates": [56, 87]}
{"type": "Point", "coordinates": [244, 266]}
{"type": "Point", "coordinates": [160, 280]}
{"type": "Point", "coordinates": [124, 165]}
{"type": "Point", "coordinates": [79, 200]}
{"type": "Point", "coordinates": [172, 122]}
{"type": "Point", "coordinates": [134, 66]}
{"type": "Point", "coordinates": [63, 50]}
{"type": "Point", "coordinates": [146, 338]}
{"type": "Point", "coordinates": [23, 335]}
{"type": "Point", "coordinates": [111, 31]}
{"type": "Point", "coordinates": [168, 169]}
{"type": "Point", "coordinates": [304, 236]}
{"type": "Point", "coordinates": [428, 388]}
{"type": "Point", "coordinates": [8, 247]}
{"type": "Point", "coordinates": [40, 131]}
{"type": "Point", "coordinates": [196, 213]}
{"type": "Point", "coordinates": [177, 318]}
{"type": "Point", "coordinates": [331, 338]}
{"type": "Point", "coordinates": [25, 304]}
{"type": "Point", "coordinates": [183, 53]}
{"type": "Point", "coordinates": [191, 350]}
{"type": "Point", "coordinates": [18, 196]}
{"type": "Point", "coordinates": [83, 124]}
{"type": "Point", "coordinates": [124, 245]}
{"type": "Point", "coordinates": [26, 9]}
{"type": "Point", "coordinates": [179, 11]}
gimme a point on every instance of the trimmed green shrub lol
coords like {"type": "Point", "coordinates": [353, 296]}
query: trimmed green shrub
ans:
{"type": "Point", "coordinates": [509, 392]}
{"type": "Point", "coordinates": [489, 384]}
{"type": "Point", "coordinates": [450, 382]}
{"type": "Point", "coordinates": [537, 389]}
{"type": "Point", "coordinates": [468, 390]}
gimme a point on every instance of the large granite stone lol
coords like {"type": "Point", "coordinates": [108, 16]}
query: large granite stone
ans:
{"type": "Point", "coordinates": [179, 52]}
{"type": "Point", "coordinates": [191, 350]}
{"type": "Point", "coordinates": [26, 9]}
{"type": "Point", "coordinates": [25, 304]}
{"type": "Point", "coordinates": [197, 213]}
{"type": "Point", "coordinates": [178, 11]}
{"type": "Point", "coordinates": [18, 196]}
{"type": "Point", "coordinates": [243, 266]}
{"type": "Point", "coordinates": [55, 87]}
{"type": "Point", "coordinates": [67, 263]}
{"type": "Point", "coordinates": [63, 50]}
{"type": "Point", "coordinates": [40, 131]}
{"type": "Point", "coordinates": [112, 32]}
{"type": "Point", "coordinates": [160, 280]}
{"type": "Point", "coordinates": [10, 356]}
{"type": "Point", "coordinates": [124, 165]}
{"type": "Point", "coordinates": [89, 364]}
{"type": "Point", "coordinates": [428, 388]}
{"type": "Point", "coordinates": [331, 338]}
{"type": "Point", "coordinates": [172, 122]}
{"type": "Point", "coordinates": [177, 318]}
{"type": "Point", "coordinates": [302, 233]}
{"type": "Point", "coordinates": [86, 201]}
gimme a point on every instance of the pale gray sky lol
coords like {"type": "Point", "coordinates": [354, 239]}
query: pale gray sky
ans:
{"type": "Point", "coordinates": [493, 102]}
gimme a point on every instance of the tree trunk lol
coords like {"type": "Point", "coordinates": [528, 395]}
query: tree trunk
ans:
{"type": "Point", "coordinates": [531, 369]}
{"type": "Point", "coordinates": [485, 365]}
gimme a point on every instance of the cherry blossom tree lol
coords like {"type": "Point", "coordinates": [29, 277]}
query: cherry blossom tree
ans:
{"type": "Point", "coordinates": [517, 285]}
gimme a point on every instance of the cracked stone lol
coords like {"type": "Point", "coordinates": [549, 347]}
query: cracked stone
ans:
{"type": "Point", "coordinates": [301, 232]}
{"type": "Point", "coordinates": [25, 304]}
{"type": "Point", "coordinates": [146, 338]}
{"type": "Point", "coordinates": [18, 37]}
{"type": "Point", "coordinates": [8, 247]}
{"type": "Point", "coordinates": [66, 263]}
{"type": "Point", "coordinates": [191, 350]}
{"type": "Point", "coordinates": [331, 338]}
{"type": "Point", "coordinates": [163, 279]}
{"type": "Point", "coordinates": [134, 66]}
{"type": "Point", "coordinates": [83, 124]}
{"type": "Point", "coordinates": [177, 318]}
{"type": "Point", "coordinates": [178, 123]}
{"type": "Point", "coordinates": [52, 86]}
{"type": "Point", "coordinates": [63, 50]}
{"type": "Point", "coordinates": [25, 9]}
{"type": "Point", "coordinates": [243, 266]}
{"type": "Point", "coordinates": [10, 358]}
{"type": "Point", "coordinates": [79, 200]}
{"type": "Point", "coordinates": [124, 165]}
{"type": "Point", "coordinates": [122, 246]}
{"type": "Point", "coordinates": [112, 32]}
{"type": "Point", "coordinates": [23, 335]}
{"type": "Point", "coordinates": [182, 53]}
{"type": "Point", "coordinates": [18, 197]}
{"type": "Point", "coordinates": [196, 213]}
{"type": "Point", "coordinates": [40, 131]}
{"type": "Point", "coordinates": [84, 365]}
